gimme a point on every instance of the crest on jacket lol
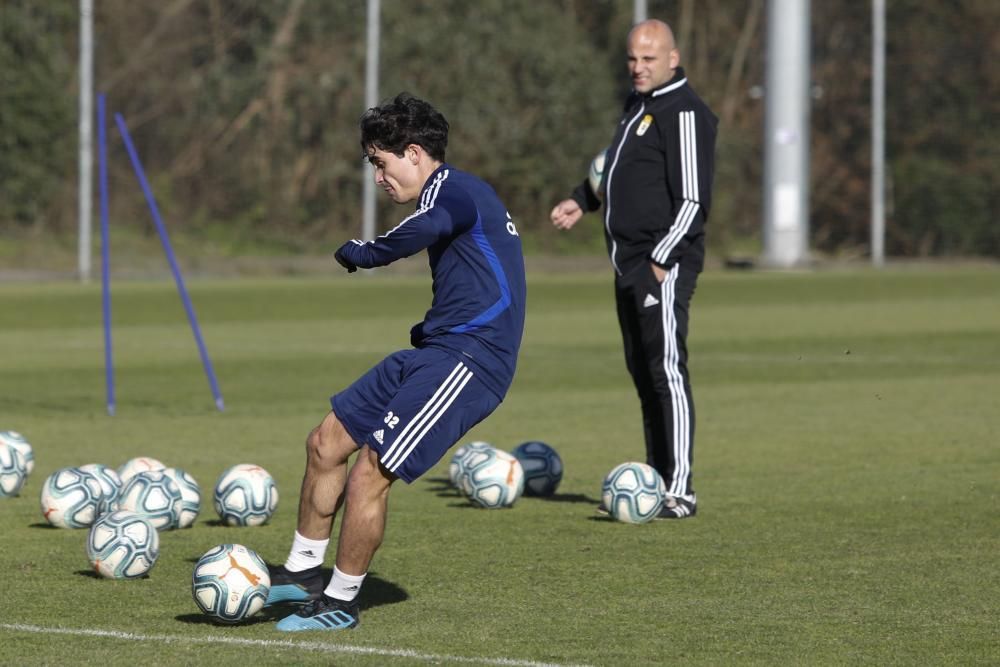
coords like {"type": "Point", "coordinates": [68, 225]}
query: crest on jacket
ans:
{"type": "Point", "coordinates": [647, 120]}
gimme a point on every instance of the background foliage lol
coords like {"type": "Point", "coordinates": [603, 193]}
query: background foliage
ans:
{"type": "Point", "coordinates": [245, 112]}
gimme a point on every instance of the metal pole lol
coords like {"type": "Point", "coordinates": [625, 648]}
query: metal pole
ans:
{"type": "Point", "coordinates": [640, 11]}
{"type": "Point", "coordinates": [786, 134]}
{"type": "Point", "coordinates": [878, 133]}
{"type": "Point", "coordinates": [86, 127]}
{"type": "Point", "coordinates": [371, 99]}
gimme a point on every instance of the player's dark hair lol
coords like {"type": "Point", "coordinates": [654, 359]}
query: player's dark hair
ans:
{"type": "Point", "coordinates": [404, 120]}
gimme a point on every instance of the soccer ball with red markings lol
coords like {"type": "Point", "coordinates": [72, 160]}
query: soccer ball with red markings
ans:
{"type": "Point", "coordinates": [71, 498]}
{"type": "Point", "coordinates": [122, 545]}
{"type": "Point", "coordinates": [190, 504]}
{"type": "Point", "coordinates": [230, 583]}
{"type": "Point", "coordinates": [633, 492]}
{"type": "Point", "coordinates": [154, 495]}
{"type": "Point", "coordinates": [245, 495]}
{"type": "Point", "coordinates": [139, 464]}
{"type": "Point", "coordinates": [492, 478]}
{"type": "Point", "coordinates": [457, 464]}
{"type": "Point", "coordinates": [111, 485]}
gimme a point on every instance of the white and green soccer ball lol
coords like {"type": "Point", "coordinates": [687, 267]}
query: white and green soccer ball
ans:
{"type": "Point", "coordinates": [71, 498]}
{"type": "Point", "coordinates": [596, 172]}
{"type": "Point", "coordinates": [111, 485]}
{"type": "Point", "coordinates": [19, 442]}
{"type": "Point", "coordinates": [633, 492]}
{"type": "Point", "coordinates": [133, 467]}
{"type": "Point", "coordinates": [153, 495]}
{"type": "Point", "coordinates": [245, 495]}
{"type": "Point", "coordinates": [190, 496]}
{"type": "Point", "coordinates": [492, 478]}
{"type": "Point", "coordinates": [457, 464]}
{"type": "Point", "coordinates": [543, 468]}
{"type": "Point", "coordinates": [230, 583]}
{"type": "Point", "coordinates": [13, 470]}
{"type": "Point", "coordinates": [122, 545]}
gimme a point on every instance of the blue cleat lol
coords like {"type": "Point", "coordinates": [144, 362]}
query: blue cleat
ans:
{"type": "Point", "coordinates": [286, 586]}
{"type": "Point", "coordinates": [327, 613]}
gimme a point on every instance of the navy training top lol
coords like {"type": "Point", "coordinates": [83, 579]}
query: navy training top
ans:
{"type": "Point", "coordinates": [477, 267]}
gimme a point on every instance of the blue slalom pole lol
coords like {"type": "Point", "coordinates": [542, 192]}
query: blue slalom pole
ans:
{"type": "Point", "coordinates": [168, 250]}
{"type": "Point", "coordinates": [102, 164]}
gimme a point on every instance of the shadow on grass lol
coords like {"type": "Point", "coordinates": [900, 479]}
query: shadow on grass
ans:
{"type": "Point", "coordinates": [88, 573]}
{"type": "Point", "coordinates": [441, 486]}
{"type": "Point", "coordinates": [375, 593]}
{"type": "Point", "coordinates": [568, 498]}
{"type": "Point", "coordinates": [269, 615]}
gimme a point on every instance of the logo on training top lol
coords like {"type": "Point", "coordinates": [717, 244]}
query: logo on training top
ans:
{"type": "Point", "coordinates": [511, 229]}
{"type": "Point", "coordinates": [647, 120]}
{"type": "Point", "coordinates": [378, 435]}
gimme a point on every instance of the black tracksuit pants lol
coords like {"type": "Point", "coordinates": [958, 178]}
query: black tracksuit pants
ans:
{"type": "Point", "coordinates": [654, 321]}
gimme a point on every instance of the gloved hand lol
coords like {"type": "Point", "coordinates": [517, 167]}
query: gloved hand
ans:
{"type": "Point", "coordinates": [343, 261]}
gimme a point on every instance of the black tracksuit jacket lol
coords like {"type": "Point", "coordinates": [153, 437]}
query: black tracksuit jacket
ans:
{"type": "Point", "coordinates": [657, 181]}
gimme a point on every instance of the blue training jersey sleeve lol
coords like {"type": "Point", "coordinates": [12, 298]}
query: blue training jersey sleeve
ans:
{"type": "Point", "coordinates": [442, 213]}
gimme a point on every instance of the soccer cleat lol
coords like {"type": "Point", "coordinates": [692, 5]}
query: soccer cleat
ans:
{"type": "Point", "coordinates": [602, 509]}
{"type": "Point", "coordinates": [304, 586]}
{"type": "Point", "coordinates": [326, 613]}
{"type": "Point", "coordinates": [678, 507]}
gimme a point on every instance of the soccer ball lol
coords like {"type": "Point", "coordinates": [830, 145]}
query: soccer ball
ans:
{"type": "Point", "coordinates": [190, 496]}
{"type": "Point", "coordinates": [122, 545]}
{"type": "Point", "coordinates": [245, 495]}
{"type": "Point", "coordinates": [492, 478]}
{"type": "Point", "coordinates": [153, 495]}
{"type": "Point", "coordinates": [111, 485]}
{"type": "Point", "coordinates": [633, 492]}
{"type": "Point", "coordinates": [70, 498]}
{"type": "Point", "coordinates": [13, 470]}
{"type": "Point", "coordinates": [16, 440]}
{"type": "Point", "coordinates": [456, 467]}
{"type": "Point", "coordinates": [133, 467]}
{"type": "Point", "coordinates": [230, 583]}
{"type": "Point", "coordinates": [543, 469]}
{"type": "Point", "coordinates": [596, 173]}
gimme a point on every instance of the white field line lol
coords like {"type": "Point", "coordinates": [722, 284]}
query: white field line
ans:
{"type": "Point", "coordinates": [273, 643]}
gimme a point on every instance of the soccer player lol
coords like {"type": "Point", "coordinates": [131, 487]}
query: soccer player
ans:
{"type": "Point", "coordinates": [403, 414]}
{"type": "Point", "coordinates": [657, 188]}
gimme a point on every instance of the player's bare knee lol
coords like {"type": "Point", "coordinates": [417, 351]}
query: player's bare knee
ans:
{"type": "Point", "coordinates": [328, 445]}
{"type": "Point", "coordinates": [368, 478]}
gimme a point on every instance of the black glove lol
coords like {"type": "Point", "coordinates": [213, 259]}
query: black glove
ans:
{"type": "Point", "coordinates": [343, 261]}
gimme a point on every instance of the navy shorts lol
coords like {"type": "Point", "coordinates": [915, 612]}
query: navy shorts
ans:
{"type": "Point", "coordinates": [412, 407]}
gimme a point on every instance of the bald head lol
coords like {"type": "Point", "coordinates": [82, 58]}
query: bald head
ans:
{"type": "Point", "coordinates": [652, 55]}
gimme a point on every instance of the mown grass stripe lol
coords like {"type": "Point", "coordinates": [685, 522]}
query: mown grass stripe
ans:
{"type": "Point", "coordinates": [276, 643]}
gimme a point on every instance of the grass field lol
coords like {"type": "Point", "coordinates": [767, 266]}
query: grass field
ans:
{"type": "Point", "coordinates": [847, 469]}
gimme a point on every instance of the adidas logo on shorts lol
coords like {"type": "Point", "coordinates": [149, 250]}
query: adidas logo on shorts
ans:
{"type": "Point", "coordinates": [379, 434]}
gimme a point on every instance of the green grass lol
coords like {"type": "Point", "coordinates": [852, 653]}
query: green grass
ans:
{"type": "Point", "coordinates": [847, 469]}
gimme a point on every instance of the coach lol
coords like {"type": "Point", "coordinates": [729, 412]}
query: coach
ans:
{"type": "Point", "coordinates": [656, 188]}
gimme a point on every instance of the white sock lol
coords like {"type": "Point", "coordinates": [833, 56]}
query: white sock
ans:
{"type": "Point", "coordinates": [305, 553]}
{"type": "Point", "coordinates": [344, 586]}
